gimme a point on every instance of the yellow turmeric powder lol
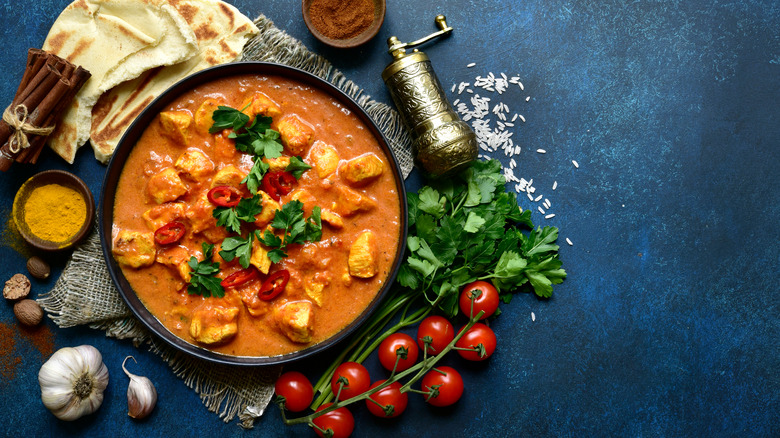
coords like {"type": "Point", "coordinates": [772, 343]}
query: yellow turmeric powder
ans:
{"type": "Point", "coordinates": [55, 213]}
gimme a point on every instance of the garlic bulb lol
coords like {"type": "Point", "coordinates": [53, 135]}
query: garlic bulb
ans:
{"type": "Point", "coordinates": [72, 382]}
{"type": "Point", "coordinates": [141, 395]}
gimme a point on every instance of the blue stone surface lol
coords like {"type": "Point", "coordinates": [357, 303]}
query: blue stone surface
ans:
{"type": "Point", "coordinates": [668, 322]}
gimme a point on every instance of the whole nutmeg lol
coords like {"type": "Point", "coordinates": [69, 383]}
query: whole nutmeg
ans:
{"type": "Point", "coordinates": [28, 312]}
{"type": "Point", "coordinates": [17, 287]}
{"type": "Point", "coordinates": [38, 268]}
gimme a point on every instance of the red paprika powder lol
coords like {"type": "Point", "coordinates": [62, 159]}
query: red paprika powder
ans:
{"type": "Point", "coordinates": [341, 20]}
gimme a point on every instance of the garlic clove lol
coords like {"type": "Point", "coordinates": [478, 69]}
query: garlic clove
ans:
{"type": "Point", "coordinates": [141, 394]}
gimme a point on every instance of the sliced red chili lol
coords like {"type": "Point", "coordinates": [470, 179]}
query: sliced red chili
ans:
{"type": "Point", "coordinates": [274, 285]}
{"type": "Point", "coordinates": [278, 184]}
{"type": "Point", "coordinates": [169, 233]}
{"type": "Point", "coordinates": [240, 277]}
{"type": "Point", "coordinates": [224, 196]}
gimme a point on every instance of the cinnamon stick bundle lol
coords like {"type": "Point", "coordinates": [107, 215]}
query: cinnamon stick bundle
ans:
{"type": "Point", "coordinates": [48, 85]}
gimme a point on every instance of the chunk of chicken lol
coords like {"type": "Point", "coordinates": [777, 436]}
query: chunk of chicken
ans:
{"type": "Point", "coordinates": [259, 257]}
{"type": "Point", "coordinates": [324, 158]}
{"type": "Point", "coordinates": [349, 201]}
{"type": "Point", "coordinates": [134, 248]}
{"type": "Point", "coordinates": [162, 214]}
{"type": "Point", "coordinates": [194, 164]}
{"type": "Point", "coordinates": [177, 258]}
{"type": "Point", "coordinates": [362, 256]}
{"type": "Point", "coordinates": [214, 323]}
{"type": "Point", "coordinates": [332, 219]}
{"type": "Point", "coordinates": [314, 288]}
{"type": "Point", "coordinates": [228, 176]}
{"type": "Point", "coordinates": [296, 134]}
{"type": "Point", "coordinates": [224, 147]}
{"type": "Point", "coordinates": [166, 186]}
{"type": "Point", "coordinates": [296, 320]}
{"type": "Point", "coordinates": [260, 105]}
{"type": "Point", "coordinates": [269, 210]}
{"type": "Point", "coordinates": [362, 169]}
{"type": "Point", "coordinates": [249, 296]}
{"type": "Point", "coordinates": [204, 115]}
{"type": "Point", "coordinates": [303, 195]}
{"type": "Point", "coordinates": [278, 164]}
{"type": "Point", "coordinates": [176, 125]}
{"type": "Point", "coordinates": [200, 214]}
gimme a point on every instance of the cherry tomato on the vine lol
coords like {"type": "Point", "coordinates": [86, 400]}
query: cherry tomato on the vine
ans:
{"type": "Point", "coordinates": [485, 299]}
{"type": "Point", "coordinates": [296, 390]}
{"type": "Point", "coordinates": [357, 380]}
{"type": "Point", "coordinates": [448, 385]}
{"type": "Point", "coordinates": [388, 352]}
{"type": "Point", "coordinates": [388, 396]}
{"type": "Point", "coordinates": [439, 329]}
{"type": "Point", "coordinates": [479, 336]}
{"type": "Point", "coordinates": [340, 421]}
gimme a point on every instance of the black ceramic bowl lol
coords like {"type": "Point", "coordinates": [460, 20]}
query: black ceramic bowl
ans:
{"type": "Point", "coordinates": [106, 207]}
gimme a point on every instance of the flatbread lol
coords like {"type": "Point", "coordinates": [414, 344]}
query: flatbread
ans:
{"type": "Point", "coordinates": [116, 40]}
{"type": "Point", "coordinates": [221, 32]}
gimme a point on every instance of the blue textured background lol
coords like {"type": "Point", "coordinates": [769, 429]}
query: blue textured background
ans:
{"type": "Point", "coordinates": [668, 323]}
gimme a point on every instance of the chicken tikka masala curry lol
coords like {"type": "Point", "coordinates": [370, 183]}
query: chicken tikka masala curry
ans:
{"type": "Point", "coordinates": [256, 216]}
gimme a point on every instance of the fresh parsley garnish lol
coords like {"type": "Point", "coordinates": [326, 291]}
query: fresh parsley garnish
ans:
{"type": "Point", "coordinates": [297, 166]}
{"type": "Point", "coordinates": [238, 246]}
{"type": "Point", "coordinates": [295, 227]}
{"type": "Point", "coordinates": [232, 217]}
{"type": "Point", "coordinates": [468, 227]}
{"type": "Point", "coordinates": [203, 281]}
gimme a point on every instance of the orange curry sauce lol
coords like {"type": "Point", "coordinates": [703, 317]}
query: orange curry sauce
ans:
{"type": "Point", "coordinates": [150, 194]}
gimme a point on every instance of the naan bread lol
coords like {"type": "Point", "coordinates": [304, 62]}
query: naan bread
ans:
{"type": "Point", "coordinates": [116, 40]}
{"type": "Point", "coordinates": [221, 32]}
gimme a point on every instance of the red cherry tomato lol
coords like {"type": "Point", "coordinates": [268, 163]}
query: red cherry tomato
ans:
{"type": "Point", "coordinates": [447, 382]}
{"type": "Point", "coordinates": [278, 184]}
{"type": "Point", "coordinates": [486, 299]}
{"type": "Point", "coordinates": [224, 196]}
{"type": "Point", "coordinates": [439, 330]}
{"type": "Point", "coordinates": [274, 285]}
{"type": "Point", "coordinates": [390, 395]}
{"type": "Point", "coordinates": [240, 277]}
{"type": "Point", "coordinates": [388, 352]}
{"type": "Point", "coordinates": [169, 233]}
{"type": "Point", "coordinates": [480, 336]}
{"type": "Point", "coordinates": [339, 421]}
{"type": "Point", "coordinates": [357, 380]}
{"type": "Point", "coordinates": [296, 389]}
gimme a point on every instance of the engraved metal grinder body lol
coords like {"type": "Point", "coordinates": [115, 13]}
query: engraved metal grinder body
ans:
{"type": "Point", "coordinates": [442, 142]}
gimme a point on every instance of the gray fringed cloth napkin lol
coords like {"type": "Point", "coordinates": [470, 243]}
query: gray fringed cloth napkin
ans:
{"type": "Point", "coordinates": [85, 295]}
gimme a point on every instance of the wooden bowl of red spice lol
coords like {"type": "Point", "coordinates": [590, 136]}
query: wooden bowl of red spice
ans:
{"type": "Point", "coordinates": [53, 210]}
{"type": "Point", "coordinates": [344, 24]}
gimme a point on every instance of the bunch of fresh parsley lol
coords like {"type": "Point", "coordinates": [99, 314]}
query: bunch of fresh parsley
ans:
{"type": "Point", "coordinates": [468, 228]}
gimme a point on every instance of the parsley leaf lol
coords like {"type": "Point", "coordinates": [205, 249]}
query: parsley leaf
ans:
{"type": "Point", "coordinates": [245, 211]}
{"type": "Point", "coordinates": [226, 117]}
{"type": "Point", "coordinates": [202, 277]}
{"type": "Point", "coordinates": [296, 229]}
{"type": "Point", "coordinates": [238, 246]}
{"type": "Point", "coordinates": [297, 167]}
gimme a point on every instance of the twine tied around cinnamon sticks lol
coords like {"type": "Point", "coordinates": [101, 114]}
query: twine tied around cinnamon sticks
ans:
{"type": "Point", "coordinates": [47, 87]}
{"type": "Point", "coordinates": [17, 119]}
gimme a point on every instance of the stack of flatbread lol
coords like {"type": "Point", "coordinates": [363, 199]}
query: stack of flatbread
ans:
{"type": "Point", "coordinates": [135, 50]}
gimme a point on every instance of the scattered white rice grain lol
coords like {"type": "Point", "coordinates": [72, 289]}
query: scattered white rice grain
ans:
{"type": "Point", "coordinates": [541, 210]}
{"type": "Point", "coordinates": [528, 99]}
{"type": "Point", "coordinates": [550, 216]}
{"type": "Point", "coordinates": [514, 117]}
{"type": "Point", "coordinates": [541, 151]}
{"type": "Point", "coordinates": [453, 87]}
{"type": "Point", "coordinates": [547, 203]}
{"type": "Point", "coordinates": [512, 163]}
{"type": "Point", "coordinates": [521, 85]}
{"type": "Point", "coordinates": [538, 198]}
{"type": "Point", "coordinates": [469, 90]}
{"type": "Point", "coordinates": [530, 196]}
{"type": "Point", "coordinates": [521, 117]}
{"type": "Point", "coordinates": [533, 316]}
{"type": "Point", "coordinates": [517, 150]}
{"type": "Point", "coordinates": [555, 185]}
{"type": "Point", "coordinates": [569, 242]}
{"type": "Point", "coordinates": [457, 101]}
{"type": "Point", "coordinates": [472, 64]}
{"type": "Point", "coordinates": [575, 163]}
{"type": "Point", "coordinates": [509, 124]}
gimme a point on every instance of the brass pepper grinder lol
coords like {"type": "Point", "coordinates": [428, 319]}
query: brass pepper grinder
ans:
{"type": "Point", "coordinates": [442, 142]}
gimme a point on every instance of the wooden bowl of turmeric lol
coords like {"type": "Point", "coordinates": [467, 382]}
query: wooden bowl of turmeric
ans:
{"type": "Point", "coordinates": [53, 210]}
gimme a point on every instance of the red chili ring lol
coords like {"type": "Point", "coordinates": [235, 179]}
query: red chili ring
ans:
{"type": "Point", "coordinates": [274, 285]}
{"type": "Point", "coordinates": [224, 196]}
{"type": "Point", "coordinates": [240, 277]}
{"type": "Point", "coordinates": [278, 184]}
{"type": "Point", "coordinates": [169, 233]}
